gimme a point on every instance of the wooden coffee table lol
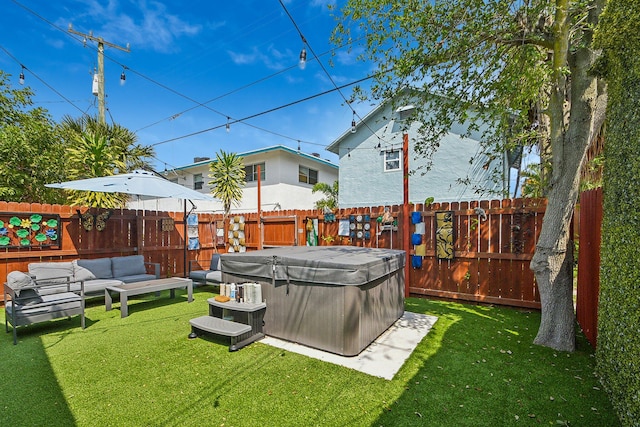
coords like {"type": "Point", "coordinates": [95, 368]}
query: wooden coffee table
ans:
{"type": "Point", "coordinates": [145, 287]}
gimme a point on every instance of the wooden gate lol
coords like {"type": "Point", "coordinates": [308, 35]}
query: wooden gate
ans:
{"type": "Point", "coordinates": [589, 234]}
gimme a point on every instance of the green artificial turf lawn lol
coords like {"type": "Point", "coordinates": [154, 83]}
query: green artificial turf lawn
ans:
{"type": "Point", "coordinates": [477, 367]}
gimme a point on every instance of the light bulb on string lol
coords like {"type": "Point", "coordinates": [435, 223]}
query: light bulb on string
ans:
{"type": "Point", "coordinates": [303, 55]}
{"type": "Point", "coordinates": [228, 125]}
{"type": "Point", "coordinates": [353, 123]}
{"type": "Point", "coordinates": [123, 78]}
{"type": "Point", "coordinates": [21, 77]}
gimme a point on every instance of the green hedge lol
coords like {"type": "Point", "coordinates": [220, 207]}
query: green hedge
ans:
{"type": "Point", "coordinates": [618, 353]}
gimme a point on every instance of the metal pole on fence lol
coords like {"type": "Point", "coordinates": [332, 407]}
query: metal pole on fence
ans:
{"type": "Point", "coordinates": [405, 212]}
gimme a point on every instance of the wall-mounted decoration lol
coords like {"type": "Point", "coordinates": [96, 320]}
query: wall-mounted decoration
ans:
{"type": "Point", "coordinates": [329, 216]}
{"type": "Point", "coordinates": [192, 232]}
{"type": "Point", "coordinates": [360, 226]}
{"type": "Point", "coordinates": [444, 235]}
{"type": "Point", "coordinates": [90, 220]}
{"type": "Point", "coordinates": [30, 231]}
{"type": "Point", "coordinates": [416, 217]}
{"type": "Point", "coordinates": [312, 232]}
{"type": "Point", "coordinates": [168, 224]}
{"type": "Point", "coordinates": [219, 227]}
{"type": "Point", "coordinates": [343, 227]}
{"type": "Point", "coordinates": [236, 236]}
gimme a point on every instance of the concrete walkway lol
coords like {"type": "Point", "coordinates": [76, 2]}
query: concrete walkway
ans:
{"type": "Point", "coordinates": [383, 357]}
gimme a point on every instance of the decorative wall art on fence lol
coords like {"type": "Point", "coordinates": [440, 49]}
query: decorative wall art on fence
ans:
{"type": "Point", "coordinates": [192, 232]}
{"type": "Point", "coordinates": [90, 220]}
{"type": "Point", "coordinates": [444, 235]}
{"type": "Point", "coordinates": [30, 231]}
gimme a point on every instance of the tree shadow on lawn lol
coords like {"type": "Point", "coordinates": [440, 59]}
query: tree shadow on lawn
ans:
{"type": "Point", "coordinates": [31, 394]}
{"type": "Point", "coordinates": [478, 366]}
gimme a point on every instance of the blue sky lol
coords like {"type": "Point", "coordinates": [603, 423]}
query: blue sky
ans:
{"type": "Point", "coordinates": [242, 56]}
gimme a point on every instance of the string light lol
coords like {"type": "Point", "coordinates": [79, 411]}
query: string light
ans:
{"type": "Point", "coordinates": [123, 77]}
{"type": "Point", "coordinates": [21, 77]}
{"type": "Point", "coordinates": [303, 54]}
{"type": "Point", "coordinates": [228, 125]}
{"type": "Point", "coordinates": [353, 123]}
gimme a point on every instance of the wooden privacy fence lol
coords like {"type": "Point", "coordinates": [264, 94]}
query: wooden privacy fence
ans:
{"type": "Point", "coordinates": [589, 234]}
{"type": "Point", "coordinates": [492, 241]}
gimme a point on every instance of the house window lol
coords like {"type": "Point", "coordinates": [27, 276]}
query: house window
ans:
{"type": "Point", "coordinates": [392, 160]}
{"type": "Point", "coordinates": [306, 175]}
{"type": "Point", "coordinates": [198, 182]}
{"type": "Point", "coordinates": [251, 172]}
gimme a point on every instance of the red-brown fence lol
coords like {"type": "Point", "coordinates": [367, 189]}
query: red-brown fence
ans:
{"type": "Point", "coordinates": [493, 242]}
{"type": "Point", "coordinates": [590, 218]}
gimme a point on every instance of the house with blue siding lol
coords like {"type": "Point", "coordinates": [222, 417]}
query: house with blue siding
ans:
{"type": "Point", "coordinates": [371, 163]}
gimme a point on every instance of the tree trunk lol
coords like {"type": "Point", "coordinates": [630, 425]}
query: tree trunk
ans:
{"type": "Point", "coordinates": [553, 269]}
{"type": "Point", "coordinates": [575, 108]}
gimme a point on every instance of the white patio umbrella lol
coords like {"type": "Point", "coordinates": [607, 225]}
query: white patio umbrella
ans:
{"type": "Point", "coordinates": [138, 183]}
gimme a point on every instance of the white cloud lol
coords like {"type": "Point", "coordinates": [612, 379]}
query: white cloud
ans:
{"type": "Point", "coordinates": [144, 24]}
{"type": "Point", "coordinates": [271, 58]}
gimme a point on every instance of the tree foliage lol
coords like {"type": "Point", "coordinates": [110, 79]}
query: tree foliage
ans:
{"type": "Point", "coordinates": [227, 179]}
{"type": "Point", "coordinates": [30, 148]}
{"type": "Point", "coordinates": [618, 313]}
{"type": "Point", "coordinates": [331, 195]}
{"type": "Point", "coordinates": [98, 149]}
{"type": "Point", "coordinates": [518, 72]}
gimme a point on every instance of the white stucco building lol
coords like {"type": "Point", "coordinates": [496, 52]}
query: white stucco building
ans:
{"type": "Point", "coordinates": [287, 177]}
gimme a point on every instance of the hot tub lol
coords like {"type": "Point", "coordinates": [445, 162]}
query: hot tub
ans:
{"type": "Point", "coordinates": [334, 298]}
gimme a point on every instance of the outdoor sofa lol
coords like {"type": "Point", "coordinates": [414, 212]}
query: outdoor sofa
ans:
{"type": "Point", "coordinates": [96, 274]}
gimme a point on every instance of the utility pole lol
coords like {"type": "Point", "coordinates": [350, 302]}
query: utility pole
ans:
{"type": "Point", "coordinates": [101, 44]}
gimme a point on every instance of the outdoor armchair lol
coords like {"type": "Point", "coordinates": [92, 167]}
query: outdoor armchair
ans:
{"type": "Point", "coordinates": [213, 274]}
{"type": "Point", "coordinates": [25, 305]}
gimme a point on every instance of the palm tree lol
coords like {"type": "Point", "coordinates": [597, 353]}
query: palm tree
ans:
{"type": "Point", "coordinates": [99, 149]}
{"type": "Point", "coordinates": [227, 179]}
{"type": "Point", "coordinates": [331, 193]}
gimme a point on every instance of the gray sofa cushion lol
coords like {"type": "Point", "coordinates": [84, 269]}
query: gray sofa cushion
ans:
{"type": "Point", "coordinates": [137, 278]}
{"type": "Point", "coordinates": [214, 276]}
{"type": "Point", "coordinates": [215, 262]}
{"type": "Point", "coordinates": [29, 297]}
{"type": "Point", "coordinates": [101, 267]}
{"type": "Point", "coordinates": [82, 273]}
{"type": "Point", "coordinates": [49, 303]}
{"type": "Point", "coordinates": [97, 286]}
{"type": "Point", "coordinates": [51, 272]}
{"type": "Point", "coordinates": [131, 265]}
{"type": "Point", "coordinates": [17, 280]}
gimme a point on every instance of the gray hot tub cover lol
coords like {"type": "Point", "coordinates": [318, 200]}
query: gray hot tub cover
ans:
{"type": "Point", "coordinates": [333, 265]}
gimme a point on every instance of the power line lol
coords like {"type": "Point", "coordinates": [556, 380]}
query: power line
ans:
{"type": "Point", "coordinates": [264, 112]}
{"type": "Point", "coordinates": [41, 80]}
{"type": "Point", "coordinates": [347, 102]}
{"type": "Point", "coordinates": [200, 104]}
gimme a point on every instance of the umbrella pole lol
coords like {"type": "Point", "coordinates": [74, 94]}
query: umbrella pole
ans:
{"type": "Point", "coordinates": [186, 239]}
